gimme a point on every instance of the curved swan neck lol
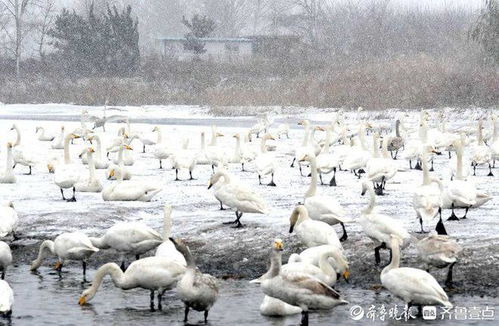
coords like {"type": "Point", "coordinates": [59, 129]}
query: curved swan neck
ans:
{"type": "Point", "coordinates": [312, 189]}
{"type": "Point", "coordinates": [189, 259]}
{"type": "Point", "coordinates": [423, 131]}
{"type": "Point", "coordinates": [9, 167]}
{"type": "Point", "coordinates": [167, 223]}
{"type": "Point", "coordinates": [111, 269]}
{"type": "Point", "coordinates": [98, 146]}
{"type": "Point", "coordinates": [397, 128]}
{"type": "Point", "coordinates": [18, 136]}
{"type": "Point", "coordinates": [329, 136]}
{"type": "Point", "coordinates": [426, 171]}
{"type": "Point", "coordinates": [67, 157]}
{"type": "Point", "coordinates": [395, 263]}
{"type": "Point", "coordinates": [263, 147]}
{"type": "Point", "coordinates": [324, 264]}
{"type": "Point", "coordinates": [46, 250]}
{"type": "Point", "coordinates": [459, 159]}
{"type": "Point", "coordinates": [91, 165]}
{"type": "Point", "coordinates": [306, 135]}
{"type": "Point", "coordinates": [372, 201]}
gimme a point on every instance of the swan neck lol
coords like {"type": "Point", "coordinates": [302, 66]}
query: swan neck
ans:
{"type": "Point", "coordinates": [480, 134]}
{"type": "Point", "coordinates": [91, 165]}
{"type": "Point", "coordinates": [10, 161]}
{"type": "Point", "coordinates": [67, 158]}
{"type": "Point", "coordinates": [423, 132]}
{"type": "Point", "coordinates": [459, 167]}
{"type": "Point", "coordinates": [159, 139]}
{"type": "Point", "coordinates": [263, 147]}
{"type": "Point", "coordinates": [426, 171]}
{"type": "Point", "coordinates": [375, 147]}
{"type": "Point", "coordinates": [167, 224]}
{"type": "Point", "coordinates": [46, 250]}
{"type": "Point", "coordinates": [312, 189]}
{"type": "Point", "coordinates": [275, 263]}
{"type": "Point", "coordinates": [397, 128]}
{"type": "Point", "coordinates": [325, 266]}
{"type": "Point", "coordinates": [306, 135]}
{"type": "Point", "coordinates": [213, 137]}
{"type": "Point", "coordinates": [395, 263]}
{"type": "Point", "coordinates": [362, 137]}
{"type": "Point", "coordinates": [110, 269]}
{"type": "Point", "coordinates": [98, 146]}
{"type": "Point", "coordinates": [329, 137]}
{"type": "Point", "coordinates": [18, 136]}
{"type": "Point", "coordinates": [372, 201]}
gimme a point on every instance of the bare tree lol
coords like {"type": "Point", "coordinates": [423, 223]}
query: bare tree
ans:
{"type": "Point", "coordinates": [17, 10]}
{"type": "Point", "coordinates": [231, 16]}
{"type": "Point", "coordinates": [44, 23]}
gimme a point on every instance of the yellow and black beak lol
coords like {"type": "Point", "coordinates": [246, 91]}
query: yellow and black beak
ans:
{"type": "Point", "coordinates": [346, 275]}
{"type": "Point", "coordinates": [82, 301]}
{"type": "Point", "coordinates": [210, 185]}
{"type": "Point", "coordinates": [278, 245]}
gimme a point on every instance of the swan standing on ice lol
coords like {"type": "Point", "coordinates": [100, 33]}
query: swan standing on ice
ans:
{"type": "Point", "coordinates": [66, 175]}
{"type": "Point", "coordinates": [380, 168]}
{"type": "Point", "coordinates": [67, 246]}
{"type": "Point", "coordinates": [21, 154]}
{"type": "Point", "coordinates": [8, 220]}
{"type": "Point", "coordinates": [167, 248]}
{"type": "Point", "coordinates": [379, 227]}
{"type": "Point", "coordinates": [161, 150]}
{"type": "Point", "coordinates": [5, 257]}
{"type": "Point", "coordinates": [327, 162]}
{"type": "Point", "coordinates": [6, 299]}
{"type": "Point", "coordinates": [414, 286]}
{"type": "Point", "coordinates": [265, 162]}
{"type": "Point", "coordinates": [297, 289]}
{"type": "Point", "coordinates": [395, 143]}
{"type": "Point", "coordinates": [8, 175]}
{"type": "Point", "coordinates": [237, 197]}
{"type": "Point", "coordinates": [197, 290]}
{"type": "Point", "coordinates": [322, 208]}
{"type": "Point", "coordinates": [90, 184]}
{"type": "Point", "coordinates": [152, 273]}
{"type": "Point", "coordinates": [58, 142]}
{"type": "Point", "coordinates": [312, 233]}
{"type": "Point", "coordinates": [43, 136]}
{"type": "Point", "coordinates": [481, 153]}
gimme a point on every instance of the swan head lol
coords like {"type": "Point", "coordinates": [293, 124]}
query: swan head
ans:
{"type": "Point", "coordinates": [304, 123]}
{"type": "Point", "coordinates": [125, 146]}
{"type": "Point", "coordinates": [299, 211]}
{"type": "Point", "coordinates": [278, 245]}
{"type": "Point", "coordinates": [366, 185]}
{"type": "Point", "coordinates": [268, 136]}
{"type": "Point", "coordinates": [74, 136]}
{"type": "Point", "coordinates": [86, 296]}
{"type": "Point", "coordinates": [9, 204]}
{"type": "Point", "coordinates": [319, 128]}
{"type": "Point", "coordinates": [9, 145]}
{"type": "Point", "coordinates": [219, 134]}
{"type": "Point", "coordinates": [13, 127]}
{"type": "Point", "coordinates": [307, 157]}
{"type": "Point", "coordinates": [112, 173]}
{"type": "Point", "coordinates": [216, 177]}
{"type": "Point", "coordinates": [37, 128]}
{"type": "Point", "coordinates": [237, 136]}
{"type": "Point", "coordinates": [156, 128]}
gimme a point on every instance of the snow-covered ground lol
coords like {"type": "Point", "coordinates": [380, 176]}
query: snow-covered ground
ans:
{"type": "Point", "coordinates": [221, 250]}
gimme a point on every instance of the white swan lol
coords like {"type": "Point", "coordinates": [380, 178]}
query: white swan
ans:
{"type": "Point", "coordinates": [481, 153]}
{"type": "Point", "coordinates": [265, 162]}
{"type": "Point", "coordinates": [167, 248]}
{"type": "Point", "coordinates": [306, 146]}
{"type": "Point", "coordinates": [298, 289]}
{"type": "Point", "coordinates": [322, 208]}
{"type": "Point", "coordinates": [358, 157]}
{"type": "Point", "coordinates": [66, 175]}
{"type": "Point", "coordinates": [5, 257]}
{"type": "Point", "coordinates": [215, 155]}
{"type": "Point", "coordinates": [151, 273]}
{"type": "Point", "coordinates": [426, 199]}
{"type": "Point", "coordinates": [129, 238]}
{"type": "Point", "coordinates": [248, 152]}
{"type": "Point", "coordinates": [414, 286]}
{"type": "Point", "coordinates": [128, 190]}
{"type": "Point", "coordinates": [380, 168]}
{"type": "Point", "coordinates": [397, 142]}
{"type": "Point", "coordinates": [99, 162]}
{"type": "Point", "coordinates": [67, 246]}
{"type": "Point", "coordinates": [494, 144]}
{"type": "Point", "coordinates": [283, 130]}
{"type": "Point", "coordinates": [313, 255]}
{"type": "Point", "coordinates": [21, 154]}
{"type": "Point", "coordinates": [237, 197]}
{"type": "Point", "coordinates": [312, 233]}
{"type": "Point", "coordinates": [327, 162]}
{"type": "Point", "coordinates": [379, 227]}
{"type": "Point", "coordinates": [8, 220]}
{"type": "Point", "coordinates": [58, 142]}
{"type": "Point", "coordinates": [44, 136]}
{"type": "Point", "coordinates": [8, 175]}
{"type": "Point", "coordinates": [148, 140]}
{"type": "Point", "coordinates": [161, 150]}
{"type": "Point", "coordinates": [465, 161]}
{"type": "Point", "coordinates": [119, 166]}
{"type": "Point", "coordinates": [274, 307]}
{"type": "Point", "coordinates": [6, 299]}
{"type": "Point", "coordinates": [90, 184]}
{"type": "Point", "coordinates": [439, 251]}
{"type": "Point", "coordinates": [184, 159]}
{"type": "Point", "coordinates": [197, 290]}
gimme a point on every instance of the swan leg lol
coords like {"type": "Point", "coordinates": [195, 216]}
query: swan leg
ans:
{"type": "Point", "coordinates": [29, 173]}
{"type": "Point", "coordinates": [3, 274]}
{"type": "Point", "coordinates": [410, 164]}
{"type": "Point", "coordinates": [160, 298]}
{"type": "Point", "coordinates": [72, 199]}
{"type": "Point", "coordinates": [160, 164]}
{"type": "Point", "coordinates": [176, 175]}
{"type": "Point", "coordinates": [221, 206]}
{"type": "Point", "coordinates": [62, 192]}
{"type": "Point", "coordinates": [320, 177]}
{"type": "Point", "coordinates": [242, 167]}
{"type": "Point", "coordinates": [448, 280]}
{"type": "Point", "coordinates": [137, 257]}
{"type": "Point", "coordinates": [453, 216]}
{"type": "Point", "coordinates": [304, 318]}
{"type": "Point", "coordinates": [418, 165]}
{"type": "Point", "coordinates": [84, 265]}
{"type": "Point", "coordinates": [143, 148]}
{"type": "Point", "coordinates": [332, 182]}
{"type": "Point", "coordinates": [272, 184]}
{"type": "Point", "coordinates": [190, 174]}
{"type": "Point", "coordinates": [238, 223]}
{"type": "Point", "coordinates": [377, 257]}
{"type": "Point", "coordinates": [440, 228]}
{"type": "Point", "coordinates": [474, 169]}
{"type": "Point", "coordinates": [260, 180]}
{"type": "Point", "coordinates": [152, 301]}
{"type": "Point", "coordinates": [186, 313]}
{"type": "Point", "coordinates": [431, 168]}
{"type": "Point", "coordinates": [123, 266]}
{"type": "Point", "coordinates": [58, 268]}
{"type": "Point", "coordinates": [213, 168]}
{"type": "Point", "coordinates": [450, 155]}
{"type": "Point", "coordinates": [293, 163]}
{"type": "Point", "coordinates": [421, 223]}
{"type": "Point", "coordinates": [206, 316]}
{"type": "Point", "coordinates": [490, 171]}
{"type": "Point", "coordinates": [465, 213]}
{"type": "Point", "coordinates": [301, 172]}
{"type": "Point", "coordinates": [235, 221]}
{"type": "Point", "coordinates": [344, 237]}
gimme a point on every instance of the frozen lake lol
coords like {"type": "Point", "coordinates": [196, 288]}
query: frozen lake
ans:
{"type": "Point", "coordinates": [234, 254]}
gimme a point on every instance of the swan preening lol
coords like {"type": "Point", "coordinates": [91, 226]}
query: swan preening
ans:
{"type": "Point", "coordinates": [6, 299]}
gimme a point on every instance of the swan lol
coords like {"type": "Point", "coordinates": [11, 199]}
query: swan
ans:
{"type": "Point", "coordinates": [327, 162]}
{"type": "Point", "coordinates": [161, 150]}
{"type": "Point", "coordinates": [6, 299]}
{"type": "Point", "coordinates": [358, 157]}
{"type": "Point", "coordinates": [129, 238]}
{"type": "Point", "coordinates": [379, 227]}
{"type": "Point", "coordinates": [127, 157]}
{"type": "Point", "coordinates": [236, 196]}
{"type": "Point", "coordinates": [322, 208]}
{"type": "Point", "coordinates": [395, 143]}
{"type": "Point", "coordinates": [312, 233]}
{"type": "Point", "coordinates": [481, 153]}
{"type": "Point", "coordinates": [119, 166]}
{"type": "Point", "coordinates": [494, 144]}
{"type": "Point", "coordinates": [128, 190]}
{"type": "Point", "coordinates": [297, 289]}
{"type": "Point", "coordinates": [439, 251]}
{"type": "Point", "coordinates": [380, 169]}
{"type": "Point", "coordinates": [148, 141]}
{"type": "Point", "coordinates": [21, 154]}
{"type": "Point", "coordinates": [8, 220]}
{"type": "Point", "coordinates": [248, 152]}
{"type": "Point", "coordinates": [306, 146]}
{"type": "Point", "coordinates": [313, 255]}
{"type": "Point", "coordinates": [414, 148]}
{"type": "Point", "coordinates": [283, 130]}
{"type": "Point", "coordinates": [58, 142]}
{"type": "Point", "coordinates": [274, 307]}
{"type": "Point", "coordinates": [67, 246]}
{"type": "Point", "coordinates": [197, 290]}
{"type": "Point", "coordinates": [426, 199]}
{"type": "Point", "coordinates": [8, 176]}
{"type": "Point", "coordinates": [237, 156]}
{"type": "Point", "coordinates": [151, 273]}
{"type": "Point", "coordinates": [261, 126]}
{"type": "Point", "coordinates": [5, 257]}
{"type": "Point", "coordinates": [265, 162]}
{"type": "Point", "coordinates": [90, 184]}
{"type": "Point", "coordinates": [43, 136]}
{"type": "Point", "coordinates": [66, 175]}
{"type": "Point", "coordinates": [52, 162]}
{"type": "Point", "coordinates": [184, 158]}
{"type": "Point", "coordinates": [414, 286]}
{"type": "Point", "coordinates": [167, 248]}
{"type": "Point", "coordinates": [101, 122]}
{"type": "Point", "coordinates": [215, 155]}
{"type": "Point", "coordinates": [466, 163]}
{"type": "Point", "coordinates": [99, 162]}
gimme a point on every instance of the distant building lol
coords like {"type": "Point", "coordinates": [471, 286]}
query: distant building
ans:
{"type": "Point", "coordinates": [232, 49]}
{"type": "Point", "coordinates": [217, 49]}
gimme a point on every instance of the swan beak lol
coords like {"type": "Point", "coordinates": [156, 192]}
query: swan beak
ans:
{"type": "Point", "coordinates": [50, 167]}
{"type": "Point", "coordinates": [319, 128]}
{"type": "Point", "coordinates": [91, 150]}
{"type": "Point", "coordinates": [210, 185]}
{"type": "Point", "coordinates": [82, 301]}
{"type": "Point", "coordinates": [111, 174]}
{"type": "Point", "coordinates": [278, 245]}
{"type": "Point", "coordinates": [363, 192]}
{"type": "Point", "coordinates": [219, 134]}
{"type": "Point", "coordinates": [57, 265]}
{"type": "Point", "coordinates": [346, 275]}
{"type": "Point", "coordinates": [291, 228]}
{"type": "Point", "coordinates": [128, 147]}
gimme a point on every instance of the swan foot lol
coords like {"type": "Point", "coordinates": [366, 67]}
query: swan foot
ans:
{"type": "Point", "coordinates": [190, 175]}
{"type": "Point", "coordinates": [453, 217]}
{"type": "Point", "coordinates": [222, 207]}
{"type": "Point", "coordinates": [304, 318]}
{"type": "Point", "coordinates": [422, 230]}
{"type": "Point", "coordinates": [152, 302]}
{"type": "Point", "coordinates": [272, 184]}
{"type": "Point", "coordinates": [70, 200]}
{"type": "Point", "coordinates": [123, 266]}
{"type": "Point", "coordinates": [344, 237]}
{"type": "Point", "coordinates": [490, 171]}
{"type": "Point", "coordinates": [377, 257]}
{"type": "Point", "coordinates": [293, 163]}
{"type": "Point", "coordinates": [3, 274]}
{"type": "Point", "coordinates": [206, 316]}
{"type": "Point", "coordinates": [186, 314]}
